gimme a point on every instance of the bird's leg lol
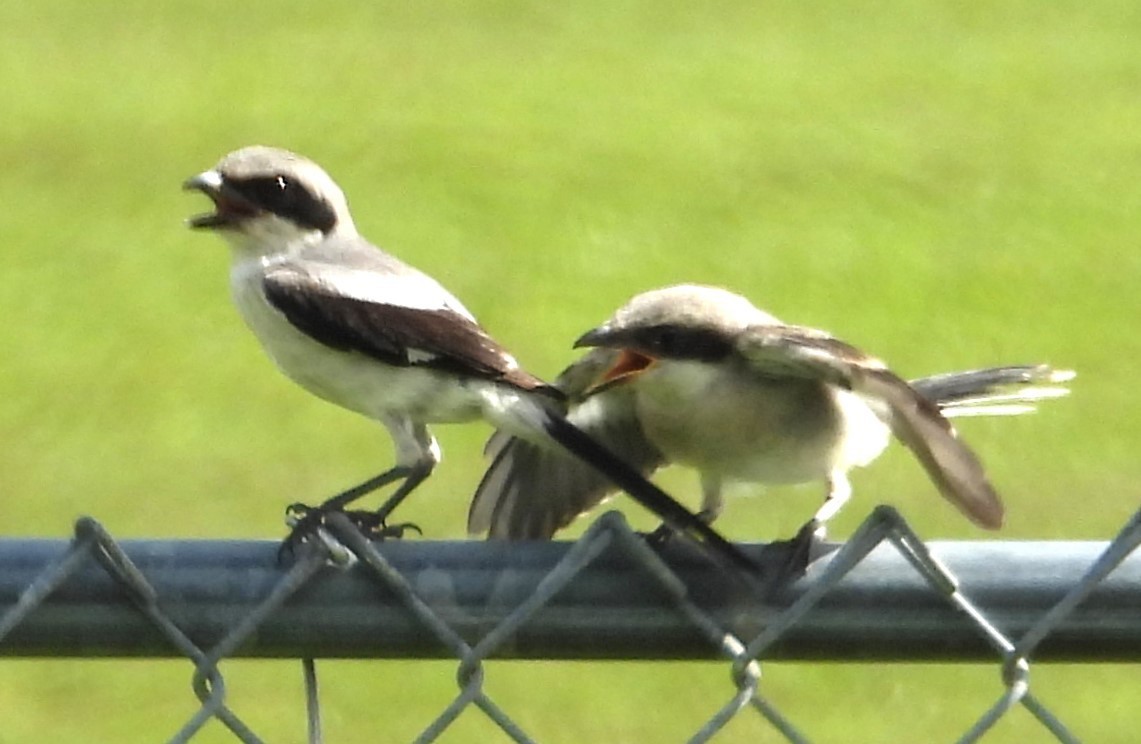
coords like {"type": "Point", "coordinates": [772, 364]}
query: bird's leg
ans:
{"type": "Point", "coordinates": [417, 453]}
{"type": "Point", "coordinates": [309, 518]}
{"type": "Point", "coordinates": [344, 498]}
{"type": "Point", "coordinates": [839, 491]}
{"type": "Point", "coordinates": [376, 522]}
{"type": "Point", "coordinates": [801, 547]}
{"type": "Point", "coordinates": [712, 504]}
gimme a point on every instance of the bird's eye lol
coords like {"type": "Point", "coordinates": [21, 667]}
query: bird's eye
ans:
{"type": "Point", "coordinates": [284, 196]}
{"type": "Point", "coordinates": [699, 344]}
{"type": "Point", "coordinates": [666, 341]}
{"type": "Point", "coordinates": [276, 194]}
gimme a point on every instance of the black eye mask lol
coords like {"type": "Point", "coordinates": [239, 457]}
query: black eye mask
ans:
{"type": "Point", "coordinates": [286, 198]}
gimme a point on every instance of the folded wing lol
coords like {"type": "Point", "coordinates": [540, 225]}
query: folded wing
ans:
{"type": "Point", "coordinates": [778, 350]}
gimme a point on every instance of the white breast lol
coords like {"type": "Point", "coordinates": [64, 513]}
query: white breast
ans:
{"type": "Point", "coordinates": [723, 421]}
{"type": "Point", "coordinates": [349, 379]}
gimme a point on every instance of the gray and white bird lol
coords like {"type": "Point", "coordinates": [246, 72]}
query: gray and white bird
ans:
{"type": "Point", "coordinates": [699, 376]}
{"type": "Point", "coordinates": [360, 329]}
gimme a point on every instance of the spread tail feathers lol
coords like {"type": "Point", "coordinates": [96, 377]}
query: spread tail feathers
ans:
{"type": "Point", "coordinates": [995, 391]}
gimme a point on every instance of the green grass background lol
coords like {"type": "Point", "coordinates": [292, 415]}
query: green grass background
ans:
{"type": "Point", "coordinates": [947, 184]}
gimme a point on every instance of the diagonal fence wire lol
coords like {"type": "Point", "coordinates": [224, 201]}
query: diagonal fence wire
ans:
{"type": "Point", "coordinates": [716, 614]}
{"type": "Point", "coordinates": [1016, 665]}
{"type": "Point", "coordinates": [93, 542]}
{"type": "Point", "coordinates": [885, 524]}
{"type": "Point", "coordinates": [610, 529]}
{"type": "Point", "coordinates": [470, 688]}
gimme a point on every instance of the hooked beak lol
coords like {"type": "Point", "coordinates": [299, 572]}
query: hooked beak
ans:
{"type": "Point", "coordinates": [627, 365]}
{"type": "Point", "coordinates": [600, 336]}
{"type": "Point", "coordinates": [230, 207]}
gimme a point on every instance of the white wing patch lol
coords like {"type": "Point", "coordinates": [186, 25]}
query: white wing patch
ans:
{"type": "Point", "coordinates": [411, 290]}
{"type": "Point", "coordinates": [419, 356]}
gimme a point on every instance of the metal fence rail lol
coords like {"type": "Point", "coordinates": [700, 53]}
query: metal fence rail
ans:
{"type": "Point", "coordinates": [883, 595]}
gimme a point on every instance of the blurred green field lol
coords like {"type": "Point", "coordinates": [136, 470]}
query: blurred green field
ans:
{"type": "Point", "coordinates": [946, 184]}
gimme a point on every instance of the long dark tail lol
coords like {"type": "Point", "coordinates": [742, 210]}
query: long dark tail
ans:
{"type": "Point", "coordinates": [1016, 384]}
{"type": "Point", "coordinates": [644, 492]}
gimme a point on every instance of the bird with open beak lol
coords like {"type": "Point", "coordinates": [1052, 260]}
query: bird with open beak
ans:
{"type": "Point", "coordinates": [363, 330]}
{"type": "Point", "coordinates": [698, 376]}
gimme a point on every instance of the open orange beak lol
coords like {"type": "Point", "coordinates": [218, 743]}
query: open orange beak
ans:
{"type": "Point", "coordinates": [627, 366]}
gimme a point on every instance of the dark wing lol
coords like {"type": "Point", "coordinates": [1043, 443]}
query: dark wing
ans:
{"type": "Point", "coordinates": [804, 352]}
{"type": "Point", "coordinates": [346, 310]}
{"type": "Point", "coordinates": [530, 490]}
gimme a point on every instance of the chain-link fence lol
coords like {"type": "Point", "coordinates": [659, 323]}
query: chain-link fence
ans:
{"type": "Point", "coordinates": [884, 594]}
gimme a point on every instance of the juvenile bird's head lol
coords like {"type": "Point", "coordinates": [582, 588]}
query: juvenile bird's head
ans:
{"type": "Point", "coordinates": [686, 322]}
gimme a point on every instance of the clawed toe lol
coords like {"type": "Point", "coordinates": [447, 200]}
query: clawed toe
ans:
{"type": "Point", "coordinates": [659, 537]}
{"type": "Point", "coordinates": [303, 521]}
{"type": "Point", "coordinates": [374, 525]}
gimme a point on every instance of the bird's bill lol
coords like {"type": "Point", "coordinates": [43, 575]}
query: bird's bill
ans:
{"type": "Point", "coordinates": [601, 336]}
{"type": "Point", "coordinates": [230, 207]}
{"type": "Point", "coordinates": [628, 365]}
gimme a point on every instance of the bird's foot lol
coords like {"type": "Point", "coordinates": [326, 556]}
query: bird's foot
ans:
{"type": "Point", "coordinates": [303, 521]}
{"type": "Point", "coordinates": [799, 550]}
{"type": "Point", "coordinates": [373, 524]}
{"type": "Point", "coordinates": [660, 536]}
